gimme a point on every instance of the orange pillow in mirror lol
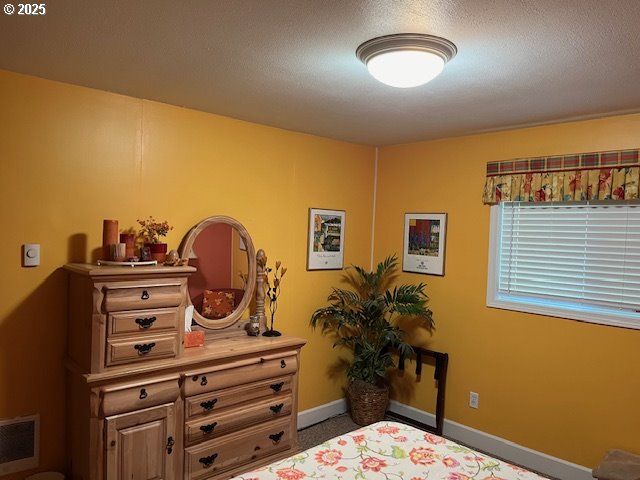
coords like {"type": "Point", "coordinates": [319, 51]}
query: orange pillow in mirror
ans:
{"type": "Point", "coordinates": [217, 304]}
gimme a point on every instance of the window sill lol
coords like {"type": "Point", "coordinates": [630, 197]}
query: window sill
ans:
{"type": "Point", "coordinates": [537, 307]}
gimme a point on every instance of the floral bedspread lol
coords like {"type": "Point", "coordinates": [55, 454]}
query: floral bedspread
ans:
{"type": "Point", "coordinates": [390, 451]}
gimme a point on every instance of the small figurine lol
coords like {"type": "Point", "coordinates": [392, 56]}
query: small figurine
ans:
{"type": "Point", "coordinates": [173, 259]}
{"type": "Point", "coordinates": [145, 254]}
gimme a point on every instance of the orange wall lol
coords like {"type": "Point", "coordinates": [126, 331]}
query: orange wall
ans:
{"type": "Point", "coordinates": [566, 388]}
{"type": "Point", "coordinates": [72, 156]}
{"type": "Point", "coordinates": [240, 261]}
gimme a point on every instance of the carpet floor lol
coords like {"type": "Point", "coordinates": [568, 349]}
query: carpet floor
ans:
{"type": "Point", "coordinates": [323, 431]}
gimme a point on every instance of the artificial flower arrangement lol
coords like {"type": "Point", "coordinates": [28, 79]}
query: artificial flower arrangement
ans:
{"type": "Point", "coordinates": [272, 292]}
{"type": "Point", "coordinates": [151, 230]}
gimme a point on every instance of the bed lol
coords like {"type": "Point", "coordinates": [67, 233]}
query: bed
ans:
{"type": "Point", "coordinates": [390, 451]}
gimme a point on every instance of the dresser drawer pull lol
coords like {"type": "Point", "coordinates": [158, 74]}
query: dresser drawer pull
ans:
{"type": "Point", "coordinates": [208, 428]}
{"type": "Point", "coordinates": [283, 364]}
{"type": "Point", "coordinates": [144, 348]}
{"type": "Point", "coordinates": [143, 394]}
{"type": "Point", "coordinates": [276, 387]}
{"type": "Point", "coordinates": [145, 323]}
{"type": "Point", "coordinates": [145, 295]}
{"type": "Point", "coordinates": [276, 408]}
{"type": "Point", "coordinates": [203, 381]}
{"type": "Point", "coordinates": [276, 437]}
{"type": "Point", "coordinates": [170, 443]}
{"type": "Point", "coordinates": [209, 404]}
{"type": "Point", "coordinates": [208, 461]}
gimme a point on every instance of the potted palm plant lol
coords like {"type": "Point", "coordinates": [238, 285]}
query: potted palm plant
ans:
{"type": "Point", "coordinates": [365, 319]}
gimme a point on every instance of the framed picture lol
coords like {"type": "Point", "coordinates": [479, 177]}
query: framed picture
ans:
{"type": "Point", "coordinates": [326, 239]}
{"type": "Point", "coordinates": [424, 242]}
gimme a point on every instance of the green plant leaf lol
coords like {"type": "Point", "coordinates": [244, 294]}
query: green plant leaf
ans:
{"type": "Point", "coordinates": [363, 318]}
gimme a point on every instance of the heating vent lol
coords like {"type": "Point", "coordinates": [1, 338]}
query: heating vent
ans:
{"type": "Point", "coordinates": [19, 444]}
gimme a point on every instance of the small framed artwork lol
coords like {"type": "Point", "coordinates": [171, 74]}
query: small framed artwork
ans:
{"type": "Point", "coordinates": [424, 242]}
{"type": "Point", "coordinates": [326, 239]}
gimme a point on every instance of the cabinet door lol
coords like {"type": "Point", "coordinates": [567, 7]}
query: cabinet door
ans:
{"type": "Point", "coordinates": [142, 445]}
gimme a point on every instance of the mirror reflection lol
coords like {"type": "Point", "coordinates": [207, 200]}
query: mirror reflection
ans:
{"type": "Point", "coordinates": [224, 283]}
{"type": "Point", "coordinates": [220, 256]}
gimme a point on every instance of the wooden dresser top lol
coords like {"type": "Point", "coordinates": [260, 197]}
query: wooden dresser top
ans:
{"type": "Point", "coordinates": [94, 270]}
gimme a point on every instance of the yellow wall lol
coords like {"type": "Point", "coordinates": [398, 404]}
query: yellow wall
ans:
{"type": "Point", "coordinates": [566, 388]}
{"type": "Point", "coordinates": [72, 156]}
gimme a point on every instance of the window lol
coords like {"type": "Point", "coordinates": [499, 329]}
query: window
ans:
{"type": "Point", "coordinates": [570, 260]}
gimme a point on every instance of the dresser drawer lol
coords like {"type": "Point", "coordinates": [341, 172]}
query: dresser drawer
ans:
{"type": "Point", "coordinates": [239, 373]}
{"type": "Point", "coordinates": [230, 419]}
{"type": "Point", "coordinates": [140, 348]}
{"type": "Point", "coordinates": [218, 399]}
{"type": "Point", "coordinates": [233, 450]}
{"type": "Point", "coordinates": [134, 396]}
{"type": "Point", "coordinates": [118, 298]}
{"type": "Point", "coordinates": [142, 321]}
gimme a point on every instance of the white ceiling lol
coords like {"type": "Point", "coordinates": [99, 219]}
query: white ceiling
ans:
{"type": "Point", "coordinates": [292, 63]}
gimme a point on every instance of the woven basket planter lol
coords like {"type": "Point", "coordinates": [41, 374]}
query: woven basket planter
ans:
{"type": "Point", "coordinates": [368, 402]}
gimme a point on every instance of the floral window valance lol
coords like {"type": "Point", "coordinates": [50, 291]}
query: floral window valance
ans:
{"type": "Point", "coordinates": [577, 177]}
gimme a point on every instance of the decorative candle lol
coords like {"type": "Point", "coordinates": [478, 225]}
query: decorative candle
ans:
{"type": "Point", "coordinates": [129, 240]}
{"type": "Point", "coordinates": [109, 237]}
{"type": "Point", "coordinates": [254, 326]}
{"type": "Point", "coordinates": [118, 251]}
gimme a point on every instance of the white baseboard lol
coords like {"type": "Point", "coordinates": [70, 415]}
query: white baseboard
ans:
{"type": "Point", "coordinates": [319, 414]}
{"type": "Point", "coordinates": [499, 447]}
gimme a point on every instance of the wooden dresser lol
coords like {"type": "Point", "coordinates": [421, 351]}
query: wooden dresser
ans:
{"type": "Point", "coordinates": [142, 407]}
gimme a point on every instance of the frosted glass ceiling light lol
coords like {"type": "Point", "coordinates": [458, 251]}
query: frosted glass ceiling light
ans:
{"type": "Point", "coordinates": [406, 59]}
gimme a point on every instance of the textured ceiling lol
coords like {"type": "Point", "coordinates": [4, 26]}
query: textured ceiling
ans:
{"type": "Point", "coordinates": [292, 64]}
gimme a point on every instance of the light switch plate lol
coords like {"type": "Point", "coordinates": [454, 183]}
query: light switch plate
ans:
{"type": "Point", "coordinates": [31, 255]}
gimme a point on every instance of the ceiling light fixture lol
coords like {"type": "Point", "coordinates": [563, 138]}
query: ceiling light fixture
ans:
{"type": "Point", "coordinates": [406, 59]}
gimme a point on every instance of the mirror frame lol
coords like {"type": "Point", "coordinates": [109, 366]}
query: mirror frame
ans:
{"type": "Point", "coordinates": [187, 245]}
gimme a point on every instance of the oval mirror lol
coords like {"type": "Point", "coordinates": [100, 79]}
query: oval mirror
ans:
{"type": "Point", "coordinates": [222, 287]}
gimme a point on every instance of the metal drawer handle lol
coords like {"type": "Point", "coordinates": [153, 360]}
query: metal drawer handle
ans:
{"type": "Point", "coordinates": [203, 382]}
{"type": "Point", "coordinates": [276, 387]}
{"type": "Point", "coordinates": [208, 461]}
{"type": "Point", "coordinates": [283, 364]}
{"type": "Point", "coordinates": [144, 348]}
{"type": "Point", "coordinates": [145, 323]}
{"type": "Point", "coordinates": [208, 428]}
{"type": "Point", "coordinates": [143, 394]}
{"type": "Point", "coordinates": [276, 408]}
{"type": "Point", "coordinates": [276, 437]}
{"type": "Point", "coordinates": [209, 404]}
{"type": "Point", "coordinates": [145, 295]}
{"type": "Point", "coordinates": [170, 443]}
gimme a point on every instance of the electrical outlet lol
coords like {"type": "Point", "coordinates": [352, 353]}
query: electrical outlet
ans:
{"type": "Point", "coordinates": [474, 399]}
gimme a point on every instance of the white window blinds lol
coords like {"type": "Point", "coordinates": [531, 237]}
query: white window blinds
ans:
{"type": "Point", "coordinates": [573, 256]}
